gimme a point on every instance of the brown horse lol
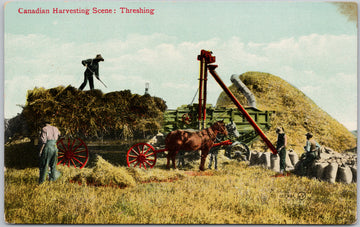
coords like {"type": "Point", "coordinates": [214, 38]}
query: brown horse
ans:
{"type": "Point", "coordinates": [192, 141]}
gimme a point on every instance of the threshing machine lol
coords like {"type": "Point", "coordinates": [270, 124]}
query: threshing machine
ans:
{"type": "Point", "coordinates": [250, 122]}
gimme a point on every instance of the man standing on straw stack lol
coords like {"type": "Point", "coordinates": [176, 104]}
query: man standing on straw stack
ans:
{"type": "Point", "coordinates": [92, 67]}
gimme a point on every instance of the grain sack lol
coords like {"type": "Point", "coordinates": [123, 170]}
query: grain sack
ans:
{"type": "Point", "coordinates": [330, 172]}
{"type": "Point", "coordinates": [289, 165]}
{"type": "Point", "coordinates": [344, 175]}
{"type": "Point", "coordinates": [354, 173]}
{"type": "Point", "coordinates": [265, 160]}
{"type": "Point", "coordinates": [275, 162]}
{"type": "Point", "coordinates": [319, 170]}
{"type": "Point", "coordinates": [294, 158]}
{"type": "Point", "coordinates": [260, 160]}
{"type": "Point", "coordinates": [254, 158]}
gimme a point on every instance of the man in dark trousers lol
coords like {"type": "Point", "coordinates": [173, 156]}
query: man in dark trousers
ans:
{"type": "Point", "coordinates": [311, 152]}
{"type": "Point", "coordinates": [92, 67]}
{"type": "Point", "coordinates": [281, 148]}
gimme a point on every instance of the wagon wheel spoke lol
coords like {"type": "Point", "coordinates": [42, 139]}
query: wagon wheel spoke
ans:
{"type": "Point", "coordinates": [79, 156]}
{"type": "Point", "coordinates": [147, 162]}
{"type": "Point", "coordinates": [62, 143]}
{"type": "Point", "coordinates": [62, 159]}
{"type": "Point", "coordinates": [61, 150]}
{"type": "Point", "coordinates": [147, 147]}
{"type": "Point", "coordinates": [80, 144]}
{"type": "Point", "coordinates": [133, 158]}
{"type": "Point", "coordinates": [147, 150]}
{"type": "Point", "coordinates": [81, 163]}
{"type": "Point", "coordinates": [78, 152]}
{"type": "Point", "coordinates": [135, 152]}
{"type": "Point", "coordinates": [149, 154]}
{"type": "Point", "coordinates": [136, 163]}
{"type": "Point", "coordinates": [72, 161]}
{"type": "Point", "coordinates": [72, 145]}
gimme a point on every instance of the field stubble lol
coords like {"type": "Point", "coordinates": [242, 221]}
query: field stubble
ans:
{"type": "Point", "coordinates": [237, 193]}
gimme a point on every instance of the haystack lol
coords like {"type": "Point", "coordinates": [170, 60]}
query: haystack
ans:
{"type": "Point", "coordinates": [294, 111]}
{"type": "Point", "coordinates": [92, 114]}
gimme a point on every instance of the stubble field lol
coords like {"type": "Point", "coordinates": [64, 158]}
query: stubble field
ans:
{"type": "Point", "coordinates": [106, 193]}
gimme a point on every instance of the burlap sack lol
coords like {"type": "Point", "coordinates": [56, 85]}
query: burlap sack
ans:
{"type": "Point", "coordinates": [275, 162]}
{"type": "Point", "coordinates": [254, 158]}
{"type": "Point", "coordinates": [265, 160]}
{"type": "Point", "coordinates": [294, 158]}
{"type": "Point", "coordinates": [354, 173]}
{"type": "Point", "coordinates": [319, 168]}
{"type": "Point", "coordinates": [288, 163]}
{"type": "Point", "coordinates": [330, 172]}
{"type": "Point", "coordinates": [344, 175]}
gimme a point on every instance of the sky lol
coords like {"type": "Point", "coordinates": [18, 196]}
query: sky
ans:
{"type": "Point", "coordinates": [310, 44]}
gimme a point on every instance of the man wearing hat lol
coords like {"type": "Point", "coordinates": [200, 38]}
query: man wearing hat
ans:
{"type": "Point", "coordinates": [311, 148]}
{"type": "Point", "coordinates": [48, 152]}
{"type": "Point", "coordinates": [92, 67]}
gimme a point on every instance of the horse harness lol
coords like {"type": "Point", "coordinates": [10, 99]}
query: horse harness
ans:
{"type": "Point", "coordinates": [207, 132]}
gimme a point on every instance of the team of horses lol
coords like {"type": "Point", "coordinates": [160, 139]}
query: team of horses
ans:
{"type": "Point", "coordinates": [193, 141]}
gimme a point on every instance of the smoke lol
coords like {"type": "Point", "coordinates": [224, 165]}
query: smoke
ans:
{"type": "Point", "coordinates": [349, 9]}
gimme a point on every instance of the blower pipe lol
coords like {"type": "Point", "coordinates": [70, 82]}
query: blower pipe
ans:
{"type": "Point", "coordinates": [242, 110]}
{"type": "Point", "coordinates": [244, 90]}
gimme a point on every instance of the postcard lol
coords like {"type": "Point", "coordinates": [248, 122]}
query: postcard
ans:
{"type": "Point", "coordinates": [180, 112]}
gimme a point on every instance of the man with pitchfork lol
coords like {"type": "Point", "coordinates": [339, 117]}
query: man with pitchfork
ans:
{"type": "Point", "coordinates": [92, 67]}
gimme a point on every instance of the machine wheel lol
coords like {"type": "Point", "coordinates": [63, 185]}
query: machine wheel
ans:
{"type": "Point", "coordinates": [72, 152]}
{"type": "Point", "coordinates": [239, 151]}
{"type": "Point", "coordinates": [186, 118]}
{"type": "Point", "coordinates": [141, 154]}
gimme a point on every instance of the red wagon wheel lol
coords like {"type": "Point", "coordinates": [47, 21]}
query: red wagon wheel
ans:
{"type": "Point", "coordinates": [72, 152]}
{"type": "Point", "coordinates": [186, 118]}
{"type": "Point", "coordinates": [141, 154]}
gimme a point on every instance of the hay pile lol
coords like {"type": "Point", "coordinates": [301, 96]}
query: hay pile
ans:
{"type": "Point", "coordinates": [293, 110]}
{"type": "Point", "coordinates": [92, 114]}
{"type": "Point", "coordinates": [106, 174]}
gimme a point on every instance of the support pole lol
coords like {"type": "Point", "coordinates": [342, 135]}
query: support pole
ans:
{"type": "Point", "coordinates": [201, 81]}
{"type": "Point", "coordinates": [204, 100]}
{"type": "Point", "coordinates": [205, 58]}
{"type": "Point", "coordinates": [242, 110]}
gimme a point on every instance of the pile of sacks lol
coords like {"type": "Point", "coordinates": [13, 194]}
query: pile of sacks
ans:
{"type": "Point", "coordinates": [333, 167]}
{"type": "Point", "coordinates": [270, 161]}
{"type": "Point", "coordinates": [330, 166]}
